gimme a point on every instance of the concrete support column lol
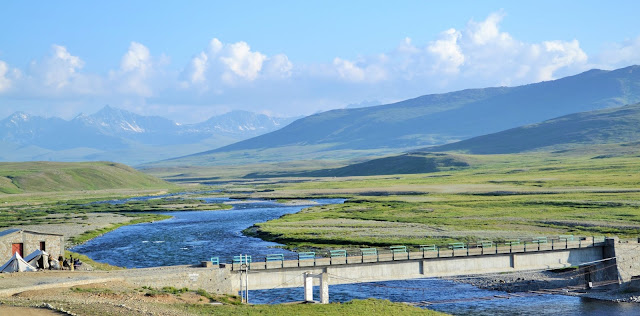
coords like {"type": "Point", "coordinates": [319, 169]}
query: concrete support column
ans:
{"type": "Point", "coordinates": [324, 288]}
{"type": "Point", "coordinates": [308, 287]}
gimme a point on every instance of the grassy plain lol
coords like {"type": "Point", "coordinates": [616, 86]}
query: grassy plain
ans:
{"type": "Point", "coordinates": [497, 197]}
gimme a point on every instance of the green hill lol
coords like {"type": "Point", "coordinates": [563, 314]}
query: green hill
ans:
{"type": "Point", "coordinates": [609, 126]}
{"type": "Point", "coordinates": [430, 119]}
{"type": "Point", "coordinates": [27, 177]}
{"type": "Point", "coordinates": [415, 162]}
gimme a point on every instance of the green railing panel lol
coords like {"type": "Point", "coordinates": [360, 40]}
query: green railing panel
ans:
{"type": "Point", "coordinates": [338, 253]}
{"type": "Point", "coordinates": [275, 257]}
{"type": "Point", "coordinates": [428, 248]}
{"type": "Point", "coordinates": [457, 245]}
{"type": "Point", "coordinates": [369, 251]}
{"type": "Point", "coordinates": [539, 240]}
{"type": "Point", "coordinates": [512, 242]}
{"type": "Point", "coordinates": [397, 249]}
{"type": "Point", "coordinates": [485, 244]}
{"type": "Point", "coordinates": [306, 255]}
{"type": "Point", "coordinates": [566, 237]}
{"type": "Point", "coordinates": [215, 260]}
{"type": "Point", "coordinates": [241, 259]}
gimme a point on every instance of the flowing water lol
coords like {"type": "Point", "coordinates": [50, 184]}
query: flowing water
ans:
{"type": "Point", "coordinates": [191, 237]}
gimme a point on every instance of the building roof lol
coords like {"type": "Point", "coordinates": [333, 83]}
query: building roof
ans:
{"type": "Point", "coordinates": [8, 231]}
{"type": "Point", "coordinates": [15, 230]}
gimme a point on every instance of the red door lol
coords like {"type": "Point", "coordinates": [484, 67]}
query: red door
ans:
{"type": "Point", "coordinates": [16, 248]}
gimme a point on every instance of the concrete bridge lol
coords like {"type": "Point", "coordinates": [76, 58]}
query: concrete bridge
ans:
{"type": "Point", "coordinates": [603, 259]}
{"type": "Point", "coordinates": [457, 259]}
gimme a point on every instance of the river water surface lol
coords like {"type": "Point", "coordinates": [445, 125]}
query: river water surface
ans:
{"type": "Point", "coordinates": [191, 237]}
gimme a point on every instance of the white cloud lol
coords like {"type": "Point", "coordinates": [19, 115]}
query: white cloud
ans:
{"type": "Point", "coordinates": [61, 68]}
{"type": "Point", "coordinates": [278, 66]}
{"type": "Point", "coordinates": [198, 67]}
{"type": "Point", "coordinates": [487, 31]}
{"type": "Point", "coordinates": [5, 82]}
{"type": "Point", "coordinates": [242, 62]}
{"type": "Point", "coordinates": [620, 54]}
{"type": "Point", "coordinates": [135, 73]}
{"type": "Point", "coordinates": [348, 70]}
{"type": "Point", "coordinates": [229, 65]}
{"type": "Point", "coordinates": [235, 75]}
{"type": "Point", "coordinates": [560, 54]}
{"type": "Point", "coordinates": [449, 56]}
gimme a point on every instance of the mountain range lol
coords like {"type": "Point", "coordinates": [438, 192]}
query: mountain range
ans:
{"type": "Point", "coordinates": [608, 126]}
{"type": "Point", "coordinates": [118, 135]}
{"type": "Point", "coordinates": [431, 119]}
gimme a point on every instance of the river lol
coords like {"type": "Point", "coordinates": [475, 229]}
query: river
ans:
{"type": "Point", "coordinates": [194, 236]}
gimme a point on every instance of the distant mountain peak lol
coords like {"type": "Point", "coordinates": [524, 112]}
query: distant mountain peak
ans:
{"type": "Point", "coordinates": [21, 115]}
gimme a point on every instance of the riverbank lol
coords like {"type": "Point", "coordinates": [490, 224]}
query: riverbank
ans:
{"type": "Point", "coordinates": [564, 282]}
{"type": "Point", "coordinates": [114, 295]}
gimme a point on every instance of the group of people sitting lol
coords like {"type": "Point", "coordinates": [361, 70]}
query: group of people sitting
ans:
{"type": "Point", "coordinates": [64, 263]}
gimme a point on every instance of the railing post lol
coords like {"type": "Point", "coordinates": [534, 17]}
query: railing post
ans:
{"type": "Point", "coordinates": [422, 253]}
{"type": "Point", "coordinates": [496, 247]}
{"type": "Point", "coordinates": [467, 249]}
{"type": "Point", "coordinates": [552, 248]}
{"type": "Point", "coordinates": [510, 247]}
{"type": "Point", "coordinates": [593, 241]}
{"type": "Point", "coordinates": [438, 251]}
{"type": "Point", "coordinates": [525, 246]}
{"type": "Point", "coordinates": [566, 243]}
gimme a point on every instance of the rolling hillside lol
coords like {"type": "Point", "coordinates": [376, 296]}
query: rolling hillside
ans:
{"type": "Point", "coordinates": [409, 163]}
{"type": "Point", "coordinates": [27, 177]}
{"type": "Point", "coordinates": [609, 126]}
{"type": "Point", "coordinates": [434, 119]}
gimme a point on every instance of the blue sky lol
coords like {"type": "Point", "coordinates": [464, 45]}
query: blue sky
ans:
{"type": "Point", "coordinates": [190, 60]}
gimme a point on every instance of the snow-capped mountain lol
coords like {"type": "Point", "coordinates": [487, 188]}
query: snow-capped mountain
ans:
{"type": "Point", "coordinates": [122, 136]}
{"type": "Point", "coordinates": [241, 123]}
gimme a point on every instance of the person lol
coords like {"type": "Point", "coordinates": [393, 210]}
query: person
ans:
{"type": "Point", "coordinates": [61, 262]}
{"type": "Point", "coordinates": [65, 264]}
{"type": "Point", "coordinates": [71, 262]}
{"type": "Point", "coordinates": [50, 262]}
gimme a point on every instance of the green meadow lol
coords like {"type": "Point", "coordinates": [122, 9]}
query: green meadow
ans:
{"type": "Point", "coordinates": [497, 197]}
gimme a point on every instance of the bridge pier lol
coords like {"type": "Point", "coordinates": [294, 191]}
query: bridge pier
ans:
{"type": "Point", "coordinates": [324, 287]}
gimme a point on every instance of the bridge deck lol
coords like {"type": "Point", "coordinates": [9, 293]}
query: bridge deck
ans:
{"type": "Point", "coordinates": [420, 255]}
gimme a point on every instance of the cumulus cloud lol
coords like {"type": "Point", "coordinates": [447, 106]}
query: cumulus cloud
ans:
{"type": "Point", "coordinates": [231, 64]}
{"type": "Point", "coordinates": [241, 62]}
{"type": "Point", "coordinates": [236, 75]}
{"type": "Point", "coordinates": [278, 66]}
{"type": "Point", "coordinates": [61, 67]}
{"type": "Point", "coordinates": [449, 56]}
{"type": "Point", "coordinates": [481, 54]}
{"type": "Point", "coordinates": [620, 54]}
{"type": "Point", "coordinates": [5, 82]}
{"type": "Point", "coordinates": [136, 70]}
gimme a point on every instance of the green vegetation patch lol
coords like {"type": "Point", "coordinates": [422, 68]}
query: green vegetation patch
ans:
{"type": "Point", "coordinates": [29, 177]}
{"type": "Point", "coordinates": [355, 307]}
{"type": "Point", "coordinates": [498, 197]}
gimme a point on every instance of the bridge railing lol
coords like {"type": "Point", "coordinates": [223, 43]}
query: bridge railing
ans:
{"type": "Point", "coordinates": [411, 252]}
